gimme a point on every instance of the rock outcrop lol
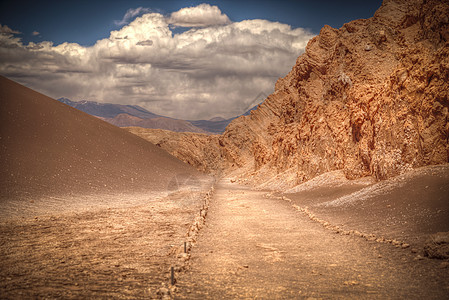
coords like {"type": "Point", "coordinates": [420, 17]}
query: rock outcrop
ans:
{"type": "Point", "coordinates": [370, 98]}
{"type": "Point", "coordinates": [199, 150]}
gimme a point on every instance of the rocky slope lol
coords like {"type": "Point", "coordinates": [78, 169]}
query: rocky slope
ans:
{"type": "Point", "coordinates": [218, 125]}
{"type": "Point", "coordinates": [370, 98]}
{"type": "Point", "coordinates": [199, 150]}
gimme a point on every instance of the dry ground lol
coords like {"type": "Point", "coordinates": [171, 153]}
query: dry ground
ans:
{"type": "Point", "coordinates": [259, 247]}
{"type": "Point", "coordinates": [255, 244]}
{"type": "Point", "coordinates": [100, 248]}
{"type": "Point", "coordinates": [407, 208]}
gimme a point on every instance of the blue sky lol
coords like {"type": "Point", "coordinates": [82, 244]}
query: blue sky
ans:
{"type": "Point", "coordinates": [182, 59]}
{"type": "Point", "coordinates": [85, 22]}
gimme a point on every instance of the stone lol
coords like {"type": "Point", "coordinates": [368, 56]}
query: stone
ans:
{"type": "Point", "coordinates": [437, 246]}
{"type": "Point", "coordinates": [163, 291]}
{"type": "Point", "coordinates": [405, 246]}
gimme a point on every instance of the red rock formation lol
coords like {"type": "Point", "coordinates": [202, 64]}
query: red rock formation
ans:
{"type": "Point", "coordinates": [197, 149]}
{"type": "Point", "coordinates": [370, 98]}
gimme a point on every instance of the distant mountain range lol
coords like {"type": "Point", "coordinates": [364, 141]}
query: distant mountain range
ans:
{"type": "Point", "coordinates": [133, 115]}
{"type": "Point", "coordinates": [109, 110]}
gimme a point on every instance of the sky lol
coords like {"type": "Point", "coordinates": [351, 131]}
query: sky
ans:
{"type": "Point", "coordinates": [183, 59]}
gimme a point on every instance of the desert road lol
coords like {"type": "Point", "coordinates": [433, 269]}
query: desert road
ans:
{"type": "Point", "coordinates": [257, 247]}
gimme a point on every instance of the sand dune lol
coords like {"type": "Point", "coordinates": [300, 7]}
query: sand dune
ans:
{"type": "Point", "coordinates": [50, 149]}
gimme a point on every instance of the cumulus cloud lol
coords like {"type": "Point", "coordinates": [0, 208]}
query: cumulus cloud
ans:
{"type": "Point", "coordinates": [33, 46]}
{"type": "Point", "coordinates": [198, 74]}
{"type": "Point", "coordinates": [202, 15]}
{"type": "Point", "coordinates": [34, 33]}
{"type": "Point", "coordinates": [4, 29]}
{"type": "Point", "coordinates": [131, 14]}
{"type": "Point", "coordinates": [145, 43]}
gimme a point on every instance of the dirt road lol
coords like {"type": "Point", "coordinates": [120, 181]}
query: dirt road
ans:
{"type": "Point", "coordinates": [254, 246]}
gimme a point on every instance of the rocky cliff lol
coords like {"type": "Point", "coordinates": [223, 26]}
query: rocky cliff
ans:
{"type": "Point", "coordinates": [200, 150]}
{"type": "Point", "coordinates": [370, 98]}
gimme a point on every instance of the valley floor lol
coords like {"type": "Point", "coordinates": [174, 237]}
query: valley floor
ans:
{"type": "Point", "coordinates": [98, 248]}
{"type": "Point", "coordinates": [254, 244]}
{"type": "Point", "coordinates": [259, 247]}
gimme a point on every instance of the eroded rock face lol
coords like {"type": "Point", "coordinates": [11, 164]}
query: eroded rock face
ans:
{"type": "Point", "coordinates": [199, 150]}
{"type": "Point", "coordinates": [370, 98]}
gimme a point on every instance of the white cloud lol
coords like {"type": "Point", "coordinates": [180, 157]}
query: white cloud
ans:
{"type": "Point", "coordinates": [131, 14]}
{"type": "Point", "coordinates": [145, 43]}
{"type": "Point", "coordinates": [4, 29]}
{"type": "Point", "coordinates": [202, 15]}
{"type": "Point", "coordinates": [34, 33]}
{"type": "Point", "coordinates": [201, 73]}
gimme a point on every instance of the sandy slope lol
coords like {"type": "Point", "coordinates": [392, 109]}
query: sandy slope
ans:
{"type": "Point", "coordinates": [50, 149]}
{"type": "Point", "coordinates": [87, 210]}
{"type": "Point", "coordinates": [407, 208]}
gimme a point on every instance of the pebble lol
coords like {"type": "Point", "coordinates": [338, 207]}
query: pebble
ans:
{"type": "Point", "coordinates": [352, 282]}
{"type": "Point", "coordinates": [163, 291]}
